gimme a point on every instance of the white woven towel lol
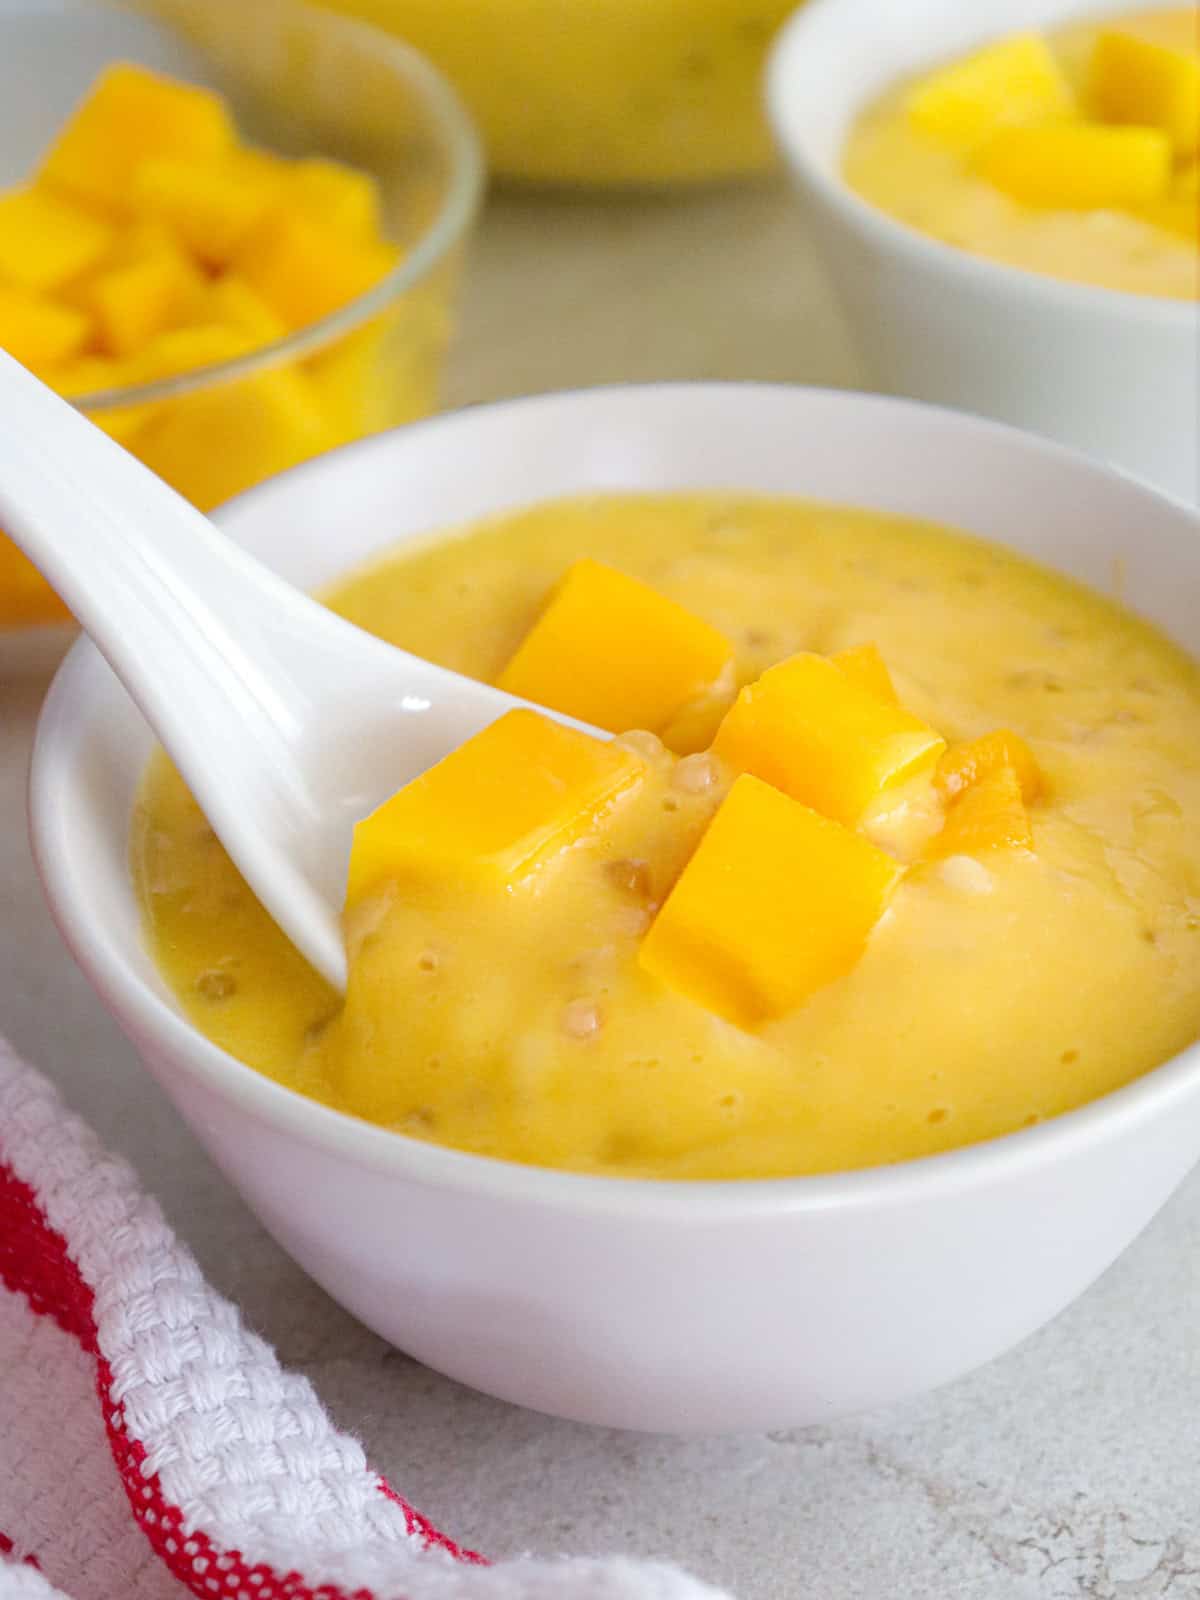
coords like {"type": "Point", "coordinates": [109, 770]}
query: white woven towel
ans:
{"type": "Point", "coordinates": [151, 1446]}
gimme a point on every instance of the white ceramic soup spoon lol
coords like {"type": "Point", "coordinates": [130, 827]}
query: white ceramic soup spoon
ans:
{"type": "Point", "coordinates": [287, 723]}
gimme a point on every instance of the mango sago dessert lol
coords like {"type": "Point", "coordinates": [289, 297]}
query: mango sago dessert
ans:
{"type": "Point", "coordinates": [1071, 153]}
{"type": "Point", "coordinates": [154, 254]}
{"type": "Point", "coordinates": [884, 840]}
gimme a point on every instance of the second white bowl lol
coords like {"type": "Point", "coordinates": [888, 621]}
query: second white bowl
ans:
{"type": "Point", "coordinates": [1115, 374]}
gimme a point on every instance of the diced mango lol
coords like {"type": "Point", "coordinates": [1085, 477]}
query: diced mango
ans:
{"type": "Point", "coordinates": [189, 349]}
{"type": "Point", "coordinates": [865, 666]}
{"type": "Point", "coordinates": [38, 332]}
{"type": "Point", "coordinates": [305, 270]}
{"type": "Point", "coordinates": [356, 380]}
{"type": "Point", "coordinates": [776, 902]}
{"type": "Point", "coordinates": [210, 207]}
{"type": "Point", "coordinates": [614, 652]}
{"type": "Point", "coordinates": [975, 759]}
{"type": "Point", "coordinates": [128, 112]}
{"type": "Point", "coordinates": [89, 375]}
{"type": "Point", "coordinates": [495, 808]}
{"type": "Point", "coordinates": [1178, 212]}
{"type": "Point", "coordinates": [132, 243]}
{"type": "Point", "coordinates": [137, 240]}
{"type": "Point", "coordinates": [335, 195]}
{"type": "Point", "coordinates": [263, 167]}
{"type": "Point", "coordinates": [45, 240]}
{"type": "Point", "coordinates": [123, 423]}
{"type": "Point", "coordinates": [818, 735]}
{"type": "Point", "coordinates": [133, 304]}
{"type": "Point", "coordinates": [232, 301]}
{"type": "Point", "coordinates": [990, 815]}
{"type": "Point", "coordinates": [26, 599]}
{"type": "Point", "coordinates": [214, 443]}
{"type": "Point", "coordinates": [1078, 166]}
{"type": "Point", "coordinates": [1137, 80]}
{"type": "Point", "coordinates": [76, 292]}
{"type": "Point", "coordinates": [1016, 80]}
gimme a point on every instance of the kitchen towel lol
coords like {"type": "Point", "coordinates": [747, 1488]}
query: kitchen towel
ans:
{"type": "Point", "coordinates": [152, 1446]}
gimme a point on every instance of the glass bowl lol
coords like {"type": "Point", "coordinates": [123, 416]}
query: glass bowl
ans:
{"type": "Point", "coordinates": [301, 82]}
{"type": "Point", "coordinates": [596, 92]}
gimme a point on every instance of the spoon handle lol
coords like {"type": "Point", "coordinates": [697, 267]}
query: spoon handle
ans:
{"type": "Point", "coordinates": [224, 659]}
{"type": "Point", "coordinates": [148, 576]}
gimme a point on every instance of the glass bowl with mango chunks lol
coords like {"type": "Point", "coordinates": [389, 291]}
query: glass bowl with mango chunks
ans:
{"type": "Point", "coordinates": [230, 234]}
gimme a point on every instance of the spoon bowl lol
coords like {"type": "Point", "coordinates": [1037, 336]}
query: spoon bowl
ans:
{"type": "Point", "coordinates": [287, 723]}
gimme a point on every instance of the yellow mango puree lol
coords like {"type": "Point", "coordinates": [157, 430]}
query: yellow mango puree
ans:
{"type": "Point", "coordinates": [1003, 180]}
{"type": "Point", "coordinates": [997, 989]}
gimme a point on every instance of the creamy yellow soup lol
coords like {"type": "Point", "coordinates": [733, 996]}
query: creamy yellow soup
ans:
{"type": "Point", "coordinates": [994, 992]}
{"type": "Point", "coordinates": [935, 188]}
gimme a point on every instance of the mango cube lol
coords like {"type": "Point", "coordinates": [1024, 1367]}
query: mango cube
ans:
{"type": "Point", "coordinates": [132, 243]}
{"type": "Point", "coordinates": [1179, 210]}
{"type": "Point", "coordinates": [261, 167]}
{"type": "Point", "coordinates": [494, 809]}
{"type": "Point", "coordinates": [132, 304]}
{"type": "Point", "coordinates": [614, 652]}
{"type": "Point", "coordinates": [1078, 166]}
{"type": "Point", "coordinates": [821, 737]}
{"type": "Point", "coordinates": [305, 270]}
{"type": "Point", "coordinates": [90, 375]}
{"type": "Point", "coordinates": [1178, 213]}
{"type": "Point", "coordinates": [214, 443]}
{"type": "Point", "coordinates": [188, 349]}
{"type": "Point", "coordinates": [46, 240]}
{"type": "Point", "coordinates": [865, 666]}
{"type": "Point", "coordinates": [990, 815]}
{"type": "Point", "coordinates": [975, 759]}
{"type": "Point", "coordinates": [233, 302]}
{"type": "Point", "coordinates": [210, 207]}
{"type": "Point", "coordinates": [26, 599]}
{"type": "Point", "coordinates": [1016, 80]}
{"type": "Point", "coordinates": [1138, 80]}
{"type": "Point", "coordinates": [356, 380]}
{"type": "Point", "coordinates": [776, 902]}
{"type": "Point", "coordinates": [128, 111]}
{"type": "Point", "coordinates": [38, 332]}
{"type": "Point", "coordinates": [338, 196]}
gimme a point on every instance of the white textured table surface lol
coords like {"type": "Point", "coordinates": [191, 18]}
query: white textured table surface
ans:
{"type": "Point", "coordinates": [1070, 1470]}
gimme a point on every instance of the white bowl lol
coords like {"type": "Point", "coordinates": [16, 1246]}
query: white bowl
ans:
{"type": "Point", "coordinates": [675, 1306]}
{"type": "Point", "coordinates": [1111, 373]}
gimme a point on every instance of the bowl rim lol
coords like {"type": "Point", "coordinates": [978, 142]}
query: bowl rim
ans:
{"type": "Point", "coordinates": [444, 110]}
{"type": "Point", "coordinates": [786, 66]}
{"type": "Point", "coordinates": [148, 1018]}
